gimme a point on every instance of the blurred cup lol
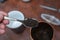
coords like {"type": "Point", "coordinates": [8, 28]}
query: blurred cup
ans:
{"type": "Point", "coordinates": [43, 31]}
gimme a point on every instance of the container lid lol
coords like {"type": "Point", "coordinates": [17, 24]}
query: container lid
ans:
{"type": "Point", "coordinates": [15, 15]}
{"type": "Point", "coordinates": [50, 19]}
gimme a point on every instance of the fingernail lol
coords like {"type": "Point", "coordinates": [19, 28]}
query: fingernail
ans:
{"type": "Point", "coordinates": [6, 21]}
{"type": "Point", "coordinates": [2, 31]}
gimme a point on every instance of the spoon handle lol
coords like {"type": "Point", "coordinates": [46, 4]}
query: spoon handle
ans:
{"type": "Point", "coordinates": [8, 18]}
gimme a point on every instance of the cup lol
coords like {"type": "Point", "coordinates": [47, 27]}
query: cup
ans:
{"type": "Point", "coordinates": [43, 31]}
{"type": "Point", "coordinates": [14, 25]}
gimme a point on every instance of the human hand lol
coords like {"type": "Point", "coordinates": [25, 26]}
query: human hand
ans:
{"type": "Point", "coordinates": [3, 22]}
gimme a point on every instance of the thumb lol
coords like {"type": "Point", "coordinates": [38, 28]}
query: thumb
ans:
{"type": "Point", "coordinates": [1, 17]}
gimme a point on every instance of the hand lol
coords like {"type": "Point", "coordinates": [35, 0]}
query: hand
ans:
{"type": "Point", "coordinates": [3, 22]}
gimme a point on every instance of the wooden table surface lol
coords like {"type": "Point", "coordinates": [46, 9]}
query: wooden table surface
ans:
{"type": "Point", "coordinates": [30, 10]}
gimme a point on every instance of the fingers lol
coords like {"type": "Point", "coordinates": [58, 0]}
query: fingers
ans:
{"type": "Point", "coordinates": [3, 23]}
{"type": "Point", "coordinates": [2, 28]}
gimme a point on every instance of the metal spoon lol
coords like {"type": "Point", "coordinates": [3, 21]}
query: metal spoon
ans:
{"type": "Point", "coordinates": [27, 22]}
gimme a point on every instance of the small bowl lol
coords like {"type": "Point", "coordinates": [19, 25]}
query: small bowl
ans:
{"type": "Point", "coordinates": [43, 32]}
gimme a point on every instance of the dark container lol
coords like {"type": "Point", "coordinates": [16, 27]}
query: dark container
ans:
{"type": "Point", "coordinates": [42, 32]}
{"type": "Point", "coordinates": [19, 30]}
